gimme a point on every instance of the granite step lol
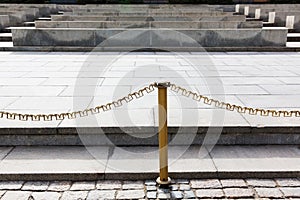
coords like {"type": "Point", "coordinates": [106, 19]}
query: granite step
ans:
{"type": "Point", "coordinates": [137, 163]}
{"type": "Point", "coordinates": [293, 37]}
{"type": "Point", "coordinates": [5, 37]}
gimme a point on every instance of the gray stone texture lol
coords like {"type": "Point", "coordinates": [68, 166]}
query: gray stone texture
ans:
{"type": "Point", "coordinates": [130, 194]}
{"type": "Point", "coordinates": [208, 183]}
{"type": "Point", "coordinates": [269, 192]}
{"type": "Point", "coordinates": [99, 195]}
{"type": "Point", "coordinates": [209, 193]}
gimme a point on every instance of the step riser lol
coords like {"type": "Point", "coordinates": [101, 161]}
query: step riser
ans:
{"type": "Point", "coordinates": [145, 176]}
{"type": "Point", "coordinates": [5, 39]}
{"type": "Point", "coordinates": [69, 137]}
{"type": "Point", "coordinates": [293, 39]}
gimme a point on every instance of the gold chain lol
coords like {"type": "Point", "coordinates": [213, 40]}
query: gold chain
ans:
{"type": "Point", "coordinates": [83, 113]}
{"type": "Point", "coordinates": [232, 107]}
{"type": "Point", "coordinates": [140, 93]}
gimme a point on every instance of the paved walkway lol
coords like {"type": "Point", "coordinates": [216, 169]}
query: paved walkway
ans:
{"type": "Point", "coordinates": [179, 189]}
{"type": "Point", "coordinates": [42, 82]}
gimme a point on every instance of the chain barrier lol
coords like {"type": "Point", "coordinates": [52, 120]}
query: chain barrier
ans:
{"type": "Point", "coordinates": [82, 113]}
{"type": "Point", "coordinates": [140, 93]}
{"type": "Point", "coordinates": [232, 107]}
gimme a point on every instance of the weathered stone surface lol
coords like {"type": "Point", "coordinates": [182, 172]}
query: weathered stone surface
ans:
{"type": "Point", "coordinates": [151, 195]}
{"type": "Point", "coordinates": [164, 196]}
{"type": "Point", "coordinates": [45, 195]}
{"type": "Point", "coordinates": [17, 195]}
{"type": "Point", "coordinates": [291, 191]}
{"type": "Point", "coordinates": [209, 193]}
{"type": "Point", "coordinates": [189, 195]}
{"type": "Point", "coordinates": [269, 192]}
{"type": "Point", "coordinates": [74, 195]}
{"type": "Point", "coordinates": [293, 182]}
{"type": "Point", "coordinates": [108, 185]}
{"type": "Point", "coordinates": [182, 181]}
{"type": "Point", "coordinates": [11, 185]}
{"type": "Point", "coordinates": [184, 187]}
{"type": "Point", "coordinates": [207, 183]}
{"type": "Point", "coordinates": [83, 186]}
{"type": "Point", "coordinates": [150, 188]}
{"type": "Point", "coordinates": [99, 195]}
{"type": "Point", "coordinates": [238, 192]}
{"type": "Point", "coordinates": [233, 183]}
{"type": "Point", "coordinates": [93, 37]}
{"type": "Point", "coordinates": [59, 186]}
{"type": "Point", "coordinates": [176, 195]}
{"type": "Point", "coordinates": [130, 194]}
{"type": "Point", "coordinates": [133, 185]}
{"type": "Point", "coordinates": [150, 182]}
{"type": "Point", "coordinates": [261, 182]}
{"type": "Point", "coordinates": [35, 186]}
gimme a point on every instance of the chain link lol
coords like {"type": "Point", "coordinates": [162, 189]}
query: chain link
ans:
{"type": "Point", "coordinates": [83, 113]}
{"type": "Point", "coordinates": [140, 93]}
{"type": "Point", "coordinates": [232, 107]}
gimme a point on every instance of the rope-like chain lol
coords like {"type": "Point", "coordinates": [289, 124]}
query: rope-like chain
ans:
{"type": "Point", "coordinates": [232, 107]}
{"type": "Point", "coordinates": [140, 93]}
{"type": "Point", "coordinates": [82, 113]}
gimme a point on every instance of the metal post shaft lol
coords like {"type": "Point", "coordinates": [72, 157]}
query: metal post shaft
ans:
{"type": "Point", "coordinates": [163, 178]}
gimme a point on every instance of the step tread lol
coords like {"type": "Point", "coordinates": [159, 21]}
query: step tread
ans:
{"type": "Point", "coordinates": [73, 162]}
{"type": "Point", "coordinates": [293, 34]}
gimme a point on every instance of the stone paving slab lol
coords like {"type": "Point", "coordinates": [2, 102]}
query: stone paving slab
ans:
{"type": "Point", "coordinates": [131, 163]}
{"type": "Point", "coordinates": [42, 81]}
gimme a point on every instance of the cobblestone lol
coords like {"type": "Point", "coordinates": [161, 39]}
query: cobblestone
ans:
{"type": "Point", "coordinates": [209, 193]}
{"type": "Point", "coordinates": [291, 191]}
{"type": "Point", "coordinates": [261, 182]}
{"type": "Point", "coordinates": [59, 186]}
{"type": "Point", "coordinates": [45, 195]}
{"type": "Point", "coordinates": [176, 195]}
{"type": "Point", "coordinates": [293, 182]}
{"type": "Point", "coordinates": [108, 185]}
{"type": "Point", "coordinates": [83, 186]}
{"type": "Point", "coordinates": [233, 183]}
{"type": "Point", "coordinates": [150, 188]}
{"type": "Point", "coordinates": [269, 192]}
{"type": "Point", "coordinates": [111, 189]}
{"type": "Point", "coordinates": [134, 185]}
{"type": "Point", "coordinates": [74, 195]}
{"type": "Point", "coordinates": [189, 194]}
{"type": "Point", "coordinates": [184, 187]}
{"type": "Point", "coordinates": [151, 195]}
{"type": "Point", "coordinates": [209, 183]}
{"type": "Point", "coordinates": [104, 194]}
{"type": "Point", "coordinates": [164, 195]}
{"type": "Point", "coordinates": [238, 192]}
{"type": "Point", "coordinates": [11, 185]}
{"type": "Point", "coordinates": [131, 194]}
{"type": "Point", "coordinates": [35, 186]}
{"type": "Point", "coordinates": [16, 195]}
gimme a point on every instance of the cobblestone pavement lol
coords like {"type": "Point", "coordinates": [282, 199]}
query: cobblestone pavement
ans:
{"type": "Point", "coordinates": [179, 189]}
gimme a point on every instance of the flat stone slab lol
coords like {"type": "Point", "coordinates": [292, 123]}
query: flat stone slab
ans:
{"type": "Point", "coordinates": [132, 163]}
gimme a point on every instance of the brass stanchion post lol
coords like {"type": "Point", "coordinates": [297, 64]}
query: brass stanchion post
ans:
{"type": "Point", "coordinates": [163, 178]}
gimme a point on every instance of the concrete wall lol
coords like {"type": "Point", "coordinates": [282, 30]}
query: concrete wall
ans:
{"type": "Point", "coordinates": [149, 18]}
{"type": "Point", "coordinates": [147, 24]}
{"type": "Point", "coordinates": [149, 38]}
{"type": "Point", "coordinates": [4, 21]}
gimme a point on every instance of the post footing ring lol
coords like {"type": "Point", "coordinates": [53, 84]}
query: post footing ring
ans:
{"type": "Point", "coordinates": [163, 182]}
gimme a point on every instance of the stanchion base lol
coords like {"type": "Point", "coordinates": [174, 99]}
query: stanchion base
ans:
{"type": "Point", "coordinates": [163, 182]}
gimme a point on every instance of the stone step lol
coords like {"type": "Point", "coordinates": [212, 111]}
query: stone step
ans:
{"type": "Point", "coordinates": [136, 163]}
{"type": "Point", "coordinates": [293, 37]}
{"type": "Point", "coordinates": [5, 37]}
{"type": "Point", "coordinates": [147, 136]}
